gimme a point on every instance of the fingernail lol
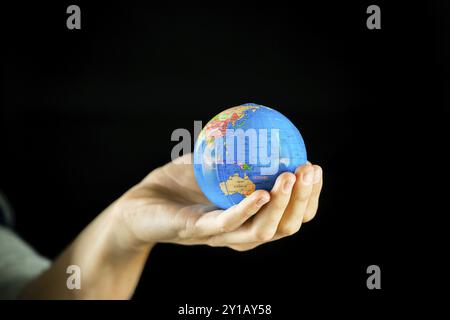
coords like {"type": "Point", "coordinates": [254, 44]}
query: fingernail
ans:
{"type": "Point", "coordinates": [308, 177]}
{"type": "Point", "coordinates": [262, 201]}
{"type": "Point", "coordinates": [317, 175]}
{"type": "Point", "coordinates": [287, 186]}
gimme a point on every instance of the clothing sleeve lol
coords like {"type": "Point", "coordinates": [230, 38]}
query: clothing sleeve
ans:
{"type": "Point", "coordinates": [19, 264]}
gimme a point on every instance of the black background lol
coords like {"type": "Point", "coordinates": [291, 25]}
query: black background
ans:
{"type": "Point", "coordinates": [88, 113]}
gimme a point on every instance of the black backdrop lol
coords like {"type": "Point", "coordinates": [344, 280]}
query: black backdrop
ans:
{"type": "Point", "coordinates": [86, 114]}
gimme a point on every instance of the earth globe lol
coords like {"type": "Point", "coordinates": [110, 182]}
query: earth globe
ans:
{"type": "Point", "coordinates": [243, 149]}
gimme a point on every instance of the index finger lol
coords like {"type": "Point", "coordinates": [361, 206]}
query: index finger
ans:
{"type": "Point", "coordinates": [219, 221]}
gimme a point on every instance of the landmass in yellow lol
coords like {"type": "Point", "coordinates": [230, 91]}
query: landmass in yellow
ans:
{"type": "Point", "coordinates": [236, 184]}
{"type": "Point", "coordinates": [217, 126]}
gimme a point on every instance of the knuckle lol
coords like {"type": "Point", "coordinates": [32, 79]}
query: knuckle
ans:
{"type": "Point", "coordinates": [311, 212]}
{"type": "Point", "coordinates": [279, 204]}
{"type": "Point", "coordinates": [250, 211]}
{"type": "Point", "coordinates": [212, 242]}
{"type": "Point", "coordinates": [289, 230]}
{"type": "Point", "coordinates": [309, 216]}
{"type": "Point", "coordinates": [303, 195]}
{"type": "Point", "coordinates": [263, 235]}
{"type": "Point", "coordinates": [224, 226]}
{"type": "Point", "coordinates": [315, 193]}
{"type": "Point", "coordinates": [239, 248]}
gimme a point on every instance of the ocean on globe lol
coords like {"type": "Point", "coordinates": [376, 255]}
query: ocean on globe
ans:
{"type": "Point", "coordinates": [243, 149]}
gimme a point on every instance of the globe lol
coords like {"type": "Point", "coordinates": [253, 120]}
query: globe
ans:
{"type": "Point", "coordinates": [243, 149]}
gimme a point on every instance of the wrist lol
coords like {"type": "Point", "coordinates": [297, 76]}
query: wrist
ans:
{"type": "Point", "coordinates": [122, 238]}
{"type": "Point", "coordinates": [116, 269]}
{"type": "Point", "coordinates": [110, 267]}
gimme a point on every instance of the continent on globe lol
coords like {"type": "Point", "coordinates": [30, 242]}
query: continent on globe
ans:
{"type": "Point", "coordinates": [236, 184]}
{"type": "Point", "coordinates": [217, 126]}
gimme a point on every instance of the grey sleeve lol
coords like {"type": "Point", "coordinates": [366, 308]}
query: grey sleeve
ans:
{"type": "Point", "coordinates": [19, 264]}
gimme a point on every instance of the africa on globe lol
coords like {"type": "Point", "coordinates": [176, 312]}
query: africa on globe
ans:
{"type": "Point", "coordinates": [243, 149]}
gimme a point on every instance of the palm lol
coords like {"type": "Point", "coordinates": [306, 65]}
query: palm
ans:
{"type": "Point", "coordinates": [177, 182]}
{"type": "Point", "coordinates": [172, 198]}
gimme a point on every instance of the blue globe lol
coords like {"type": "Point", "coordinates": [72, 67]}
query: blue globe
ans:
{"type": "Point", "coordinates": [243, 149]}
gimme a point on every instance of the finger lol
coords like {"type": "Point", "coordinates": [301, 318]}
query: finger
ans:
{"type": "Point", "coordinates": [267, 221]}
{"type": "Point", "coordinates": [219, 221]}
{"type": "Point", "coordinates": [263, 226]}
{"type": "Point", "coordinates": [313, 202]}
{"type": "Point", "coordinates": [292, 219]}
{"type": "Point", "coordinates": [235, 216]}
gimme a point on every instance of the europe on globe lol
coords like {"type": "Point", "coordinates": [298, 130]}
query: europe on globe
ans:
{"type": "Point", "coordinates": [243, 149]}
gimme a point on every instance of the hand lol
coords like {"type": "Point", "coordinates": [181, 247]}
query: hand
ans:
{"type": "Point", "coordinates": [168, 206]}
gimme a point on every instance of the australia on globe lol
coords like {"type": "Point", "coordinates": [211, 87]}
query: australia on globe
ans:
{"type": "Point", "coordinates": [243, 149]}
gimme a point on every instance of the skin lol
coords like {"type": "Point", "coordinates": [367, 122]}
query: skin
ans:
{"type": "Point", "coordinates": [168, 206]}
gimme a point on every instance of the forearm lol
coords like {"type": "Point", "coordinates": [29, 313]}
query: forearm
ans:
{"type": "Point", "coordinates": [109, 268]}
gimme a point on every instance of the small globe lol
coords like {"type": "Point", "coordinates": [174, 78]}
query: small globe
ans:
{"type": "Point", "coordinates": [243, 149]}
